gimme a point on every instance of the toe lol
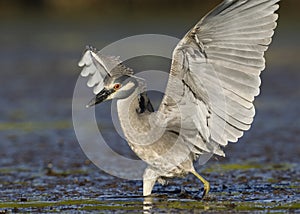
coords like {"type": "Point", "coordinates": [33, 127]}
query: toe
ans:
{"type": "Point", "coordinates": [206, 189]}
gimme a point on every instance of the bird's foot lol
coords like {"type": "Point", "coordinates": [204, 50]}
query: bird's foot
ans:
{"type": "Point", "coordinates": [206, 188]}
{"type": "Point", "coordinates": [205, 183]}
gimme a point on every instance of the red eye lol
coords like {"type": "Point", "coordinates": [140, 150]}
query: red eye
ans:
{"type": "Point", "coordinates": [117, 86]}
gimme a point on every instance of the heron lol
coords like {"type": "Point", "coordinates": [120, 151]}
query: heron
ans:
{"type": "Point", "coordinates": [209, 97]}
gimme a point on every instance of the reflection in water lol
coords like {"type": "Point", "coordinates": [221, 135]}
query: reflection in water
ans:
{"type": "Point", "coordinates": [147, 204]}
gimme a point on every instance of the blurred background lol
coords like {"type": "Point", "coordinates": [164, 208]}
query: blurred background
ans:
{"type": "Point", "coordinates": [41, 42]}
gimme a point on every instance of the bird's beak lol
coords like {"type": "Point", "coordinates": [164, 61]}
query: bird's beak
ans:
{"type": "Point", "coordinates": [100, 97]}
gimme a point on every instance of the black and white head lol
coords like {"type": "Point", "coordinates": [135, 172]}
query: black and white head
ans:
{"type": "Point", "coordinates": [108, 77]}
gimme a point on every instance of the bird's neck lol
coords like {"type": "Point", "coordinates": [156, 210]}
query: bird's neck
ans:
{"type": "Point", "coordinates": [135, 117]}
{"type": "Point", "coordinates": [130, 112]}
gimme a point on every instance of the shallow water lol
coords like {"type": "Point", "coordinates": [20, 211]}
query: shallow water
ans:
{"type": "Point", "coordinates": [43, 169]}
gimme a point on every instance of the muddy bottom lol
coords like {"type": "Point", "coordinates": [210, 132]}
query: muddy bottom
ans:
{"type": "Point", "coordinates": [249, 187]}
{"type": "Point", "coordinates": [59, 178]}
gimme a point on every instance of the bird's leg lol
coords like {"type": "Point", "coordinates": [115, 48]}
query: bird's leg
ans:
{"type": "Point", "coordinates": [149, 179]}
{"type": "Point", "coordinates": [205, 183]}
{"type": "Point", "coordinates": [148, 186]}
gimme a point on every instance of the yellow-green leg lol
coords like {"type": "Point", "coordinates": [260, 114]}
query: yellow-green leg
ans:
{"type": "Point", "coordinates": [205, 183]}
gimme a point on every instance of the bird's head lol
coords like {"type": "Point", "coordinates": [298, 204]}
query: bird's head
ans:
{"type": "Point", "coordinates": [115, 88]}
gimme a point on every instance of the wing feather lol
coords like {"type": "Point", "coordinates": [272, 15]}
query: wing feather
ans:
{"type": "Point", "coordinates": [98, 67]}
{"type": "Point", "coordinates": [217, 64]}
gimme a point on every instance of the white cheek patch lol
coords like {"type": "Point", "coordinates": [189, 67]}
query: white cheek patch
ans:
{"type": "Point", "coordinates": [110, 97]}
{"type": "Point", "coordinates": [127, 87]}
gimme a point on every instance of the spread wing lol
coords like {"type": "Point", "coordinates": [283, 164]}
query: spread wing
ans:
{"type": "Point", "coordinates": [100, 68]}
{"type": "Point", "coordinates": [215, 71]}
